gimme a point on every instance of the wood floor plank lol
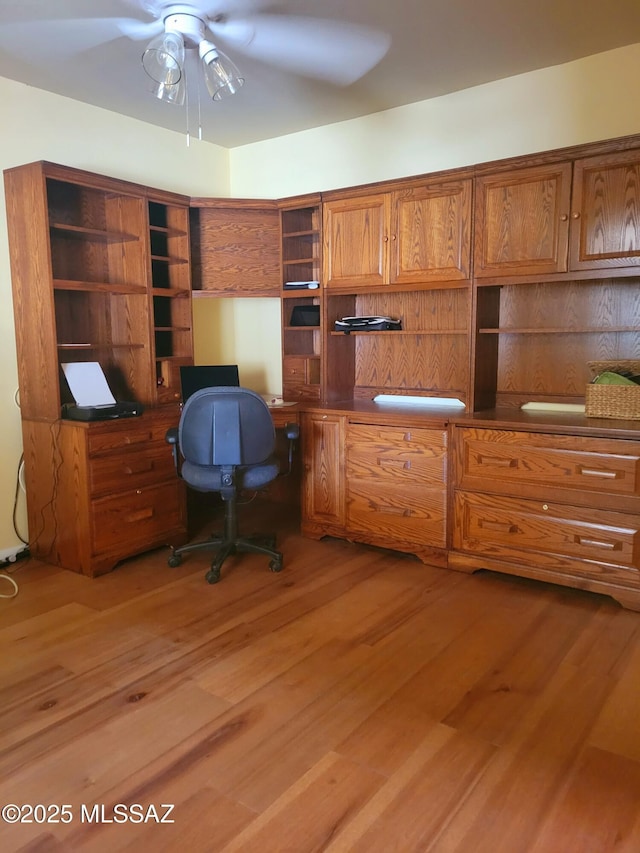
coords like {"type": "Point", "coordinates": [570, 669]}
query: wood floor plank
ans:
{"type": "Point", "coordinates": [598, 808]}
{"type": "Point", "coordinates": [311, 812]}
{"type": "Point", "coordinates": [418, 798]}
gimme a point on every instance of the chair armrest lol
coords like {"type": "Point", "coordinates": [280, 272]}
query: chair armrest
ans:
{"type": "Point", "coordinates": [171, 437]}
{"type": "Point", "coordinates": [292, 431]}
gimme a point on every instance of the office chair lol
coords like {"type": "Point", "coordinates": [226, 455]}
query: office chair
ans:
{"type": "Point", "coordinates": [226, 441]}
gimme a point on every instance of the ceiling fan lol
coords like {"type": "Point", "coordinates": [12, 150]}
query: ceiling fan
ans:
{"type": "Point", "coordinates": [335, 51]}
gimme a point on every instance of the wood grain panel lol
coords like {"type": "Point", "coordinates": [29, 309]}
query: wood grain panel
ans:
{"type": "Point", "coordinates": [236, 251]}
{"type": "Point", "coordinates": [522, 221]}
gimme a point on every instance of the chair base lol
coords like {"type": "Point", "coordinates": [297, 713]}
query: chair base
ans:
{"type": "Point", "coordinates": [225, 547]}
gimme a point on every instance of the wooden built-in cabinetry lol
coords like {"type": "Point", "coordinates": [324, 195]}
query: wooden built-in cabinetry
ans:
{"type": "Point", "coordinates": [302, 320]}
{"type": "Point", "coordinates": [376, 479]}
{"type": "Point", "coordinates": [509, 278]}
{"type": "Point", "coordinates": [235, 247]}
{"type": "Point", "coordinates": [549, 505]}
{"type": "Point", "coordinates": [100, 272]}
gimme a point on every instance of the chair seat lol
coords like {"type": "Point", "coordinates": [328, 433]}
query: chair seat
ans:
{"type": "Point", "coordinates": [208, 479]}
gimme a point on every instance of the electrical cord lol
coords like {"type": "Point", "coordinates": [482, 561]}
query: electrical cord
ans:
{"type": "Point", "coordinates": [6, 577]}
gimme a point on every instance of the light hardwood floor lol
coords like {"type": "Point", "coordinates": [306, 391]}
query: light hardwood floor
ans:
{"type": "Point", "coordinates": [357, 702]}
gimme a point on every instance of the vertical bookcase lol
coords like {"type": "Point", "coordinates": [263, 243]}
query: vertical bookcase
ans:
{"type": "Point", "coordinates": [302, 321]}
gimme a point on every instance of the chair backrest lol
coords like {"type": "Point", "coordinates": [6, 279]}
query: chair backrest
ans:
{"type": "Point", "coordinates": [226, 426]}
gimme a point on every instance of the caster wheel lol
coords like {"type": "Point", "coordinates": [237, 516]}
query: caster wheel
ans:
{"type": "Point", "coordinates": [275, 565]}
{"type": "Point", "coordinates": [212, 576]}
{"type": "Point", "coordinates": [174, 560]}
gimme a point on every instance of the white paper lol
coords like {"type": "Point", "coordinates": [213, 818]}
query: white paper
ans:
{"type": "Point", "coordinates": [578, 408]}
{"type": "Point", "coordinates": [88, 384]}
{"type": "Point", "coordinates": [433, 402]}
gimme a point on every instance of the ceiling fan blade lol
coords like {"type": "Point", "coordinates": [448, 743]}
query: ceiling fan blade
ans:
{"type": "Point", "coordinates": [58, 39]}
{"type": "Point", "coordinates": [336, 51]}
{"type": "Point", "coordinates": [139, 30]}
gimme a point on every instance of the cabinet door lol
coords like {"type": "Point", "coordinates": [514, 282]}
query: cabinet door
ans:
{"type": "Point", "coordinates": [605, 216]}
{"type": "Point", "coordinates": [431, 233]}
{"type": "Point", "coordinates": [236, 251]}
{"type": "Point", "coordinates": [356, 235]}
{"type": "Point", "coordinates": [323, 463]}
{"type": "Point", "coordinates": [522, 221]}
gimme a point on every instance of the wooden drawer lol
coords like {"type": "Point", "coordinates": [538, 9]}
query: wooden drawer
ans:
{"type": "Point", "coordinates": [131, 469]}
{"type": "Point", "coordinates": [129, 432]}
{"type": "Point", "coordinates": [134, 519]}
{"type": "Point", "coordinates": [529, 464]}
{"type": "Point", "coordinates": [586, 542]}
{"type": "Point", "coordinates": [396, 455]}
{"type": "Point", "coordinates": [404, 511]}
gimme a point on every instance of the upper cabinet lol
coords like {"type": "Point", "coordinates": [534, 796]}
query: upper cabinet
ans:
{"type": "Point", "coordinates": [605, 216]}
{"type": "Point", "coordinates": [235, 247]}
{"type": "Point", "coordinates": [522, 221]}
{"type": "Point", "coordinates": [559, 218]}
{"type": "Point", "coordinates": [356, 233]}
{"type": "Point", "coordinates": [416, 234]}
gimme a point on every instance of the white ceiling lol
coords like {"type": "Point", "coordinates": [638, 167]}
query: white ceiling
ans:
{"type": "Point", "coordinates": [437, 47]}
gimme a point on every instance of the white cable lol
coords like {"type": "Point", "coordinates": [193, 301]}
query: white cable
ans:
{"type": "Point", "coordinates": [5, 577]}
{"type": "Point", "coordinates": [16, 397]}
{"type": "Point", "coordinates": [23, 485]}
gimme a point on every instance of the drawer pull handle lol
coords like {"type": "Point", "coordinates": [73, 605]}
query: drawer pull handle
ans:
{"type": "Point", "coordinates": [598, 472]}
{"type": "Point", "coordinates": [597, 543]}
{"type": "Point", "coordinates": [393, 510]}
{"type": "Point", "coordinates": [395, 463]}
{"type": "Point", "coordinates": [140, 515]}
{"type": "Point", "coordinates": [138, 469]}
{"type": "Point", "coordinates": [498, 461]}
{"type": "Point", "coordinates": [136, 439]}
{"type": "Point", "coordinates": [501, 526]}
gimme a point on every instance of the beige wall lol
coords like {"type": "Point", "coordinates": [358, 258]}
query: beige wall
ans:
{"type": "Point", "coordinates": [36, 125]}
{"type": "Point", "coordinates": [582, 101]}
{"type": "Point", "coordinates": [579, 102]}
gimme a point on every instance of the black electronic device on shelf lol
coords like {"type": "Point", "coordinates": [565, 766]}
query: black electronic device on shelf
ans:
{"type": "Point", "coordinates": [367, 324]}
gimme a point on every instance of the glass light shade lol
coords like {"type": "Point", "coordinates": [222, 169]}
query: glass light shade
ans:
{"type": "Point", "coordinates": [220, 74]}
{"type": "Point", "coordinates": [173, 93]}
{"type": "Point", "coordinates": [163, 59]}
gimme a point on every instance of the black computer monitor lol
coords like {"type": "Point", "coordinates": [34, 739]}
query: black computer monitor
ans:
{"type": "Point", "coordinates": [195, 377]}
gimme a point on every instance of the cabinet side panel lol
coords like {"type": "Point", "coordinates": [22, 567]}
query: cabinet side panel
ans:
{"type": "Point", "coordinates": [28, 227]}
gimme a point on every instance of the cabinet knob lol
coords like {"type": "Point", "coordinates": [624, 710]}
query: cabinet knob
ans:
{"type": "Point", "coordinates": [563, 217]}
{"type": "Point", "coordinates": [545, 507]}
{"type": "Point", "coordinates": [575, 216]}
{"type": "Point", "coordinates": [324, 417]}
{"type": "Point", "coordinates": [385, 239]}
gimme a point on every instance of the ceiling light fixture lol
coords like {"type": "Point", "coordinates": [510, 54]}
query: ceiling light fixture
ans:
{"type": "Point", "coordinates": [164, 61]}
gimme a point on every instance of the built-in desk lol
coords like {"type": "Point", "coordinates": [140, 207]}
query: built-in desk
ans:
{"type": "Point", "coordinates": [546, 496]}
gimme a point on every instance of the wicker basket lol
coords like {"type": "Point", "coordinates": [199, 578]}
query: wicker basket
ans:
{"type": "Point", "coordinates": [613, 401]}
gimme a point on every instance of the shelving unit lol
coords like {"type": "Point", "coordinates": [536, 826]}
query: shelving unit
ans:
{"type": "Point", "coordinates": [300, 223]}
{"type": "Point", "coordinates": [170, 292]}
{"type": "Point", "coordinates": [100, 272]}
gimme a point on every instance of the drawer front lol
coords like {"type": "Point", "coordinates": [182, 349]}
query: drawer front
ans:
{"type": "Point", "coordinates": [135, 518]}
{"type": "Point", "coordinates": [499, 460]}
{"type": "Point", "coordinates": [396, 455]}
{"type": "Point", "coordinates": [407, 512]}
{"type": "Point", "coordinates": [133, 469]}
{"type": "Point", "coordinates": [294, 370]}
{"type": "Point", "coordinates": [545, 533]}
{"type": "Point", "coordinates": [130, 432]}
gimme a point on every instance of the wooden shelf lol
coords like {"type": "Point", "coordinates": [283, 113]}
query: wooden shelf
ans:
{"type": "Point", "coordinates": [398, 332]}
{"type": "Point", "coordinates": [82, 233]}
{"type": "Point", "coordinates": [561, 330]}
{"type": "Point", "coordinates": [97, 287]}
{"type": "Point", "coordinates": [166, 259]}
